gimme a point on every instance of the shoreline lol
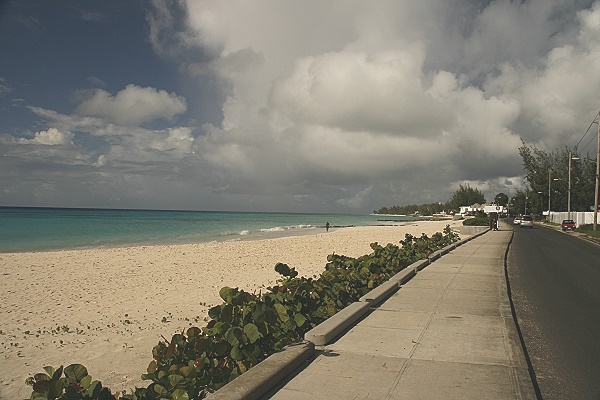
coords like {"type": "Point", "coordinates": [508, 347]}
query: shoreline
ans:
{"type": "Point", "coordinates": [26, 230]}
{"type": "Point", "coordinates": [107, 307]}
{"type": "Point", "coordinates": [263, 235]}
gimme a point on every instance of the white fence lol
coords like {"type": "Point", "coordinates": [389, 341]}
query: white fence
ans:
{"type": "Point", "coordinates": [580, 218]}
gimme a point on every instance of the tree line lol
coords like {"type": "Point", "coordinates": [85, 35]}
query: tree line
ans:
{"type": "Point", "coordinates": [464, 196]}
{"type": "Point", "coordinates": [547, 174]}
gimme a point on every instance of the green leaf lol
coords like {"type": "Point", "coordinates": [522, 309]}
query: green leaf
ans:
{"type": "Point", "coordinates": [94, 389]}
{"type": "Point", "coordinates": [227, 293]}
{"type": "Point", "coordinates": [178, 339]}
{"type": "Point", "coordinates": [236, 353]}
{"type": "Point", "coordinates": [227, 313]}
{"type": "Point", "coordinates": [234, 335]}
{"type": "Point", "coordinates": [75, 372]}
{"type": "Point", "coordinates": [105, 394]}
{"type": "Point", "coordinates": [41, 386]}
{"type": "Point", "coordinates": [187, 371]}
{"type": "Point", "coordinates": [202, 344]}
{"type": "Point", "coordinates": [289, 325]}
{"type": "Point", "coordinates": [174, 379]}
{"type": "Point", "coordinates": [252, 351]}
{"type": "Point", "coordinates": [221, 348]}
{"type": "Point", "coordinates": [214, 312]}
{"type": "Point", "coordinates": [55, 390]}
{"type": "Point", "coordinates": [180, 394]}
{"type": "Point", "coordinates": [152, 367]}
{"type": "Point", "coordinates": [49, 370]}
{"type": "Point", "coordinates": [251, 331]}
{"type": "Point", "coordinates": [283, 269]}
{"type": "Point", "coordinates": [57, 374]}
{"type": "Point", "coordinates": [41, 377]}
{"type": "Point", "coordinates": [282, 311]}
{"type": "Point", "coordinates": [300, 319]}
{"type": "Point", "coordinates": [85, 381]}
{"type": "Point", "coordinates": [193, 331]}
{"type": "Point", "coordinates": [220, 328]}
{"type": "Point", "coordinates": [160, 390]}
{"type": "Point", "coordinates": [258, 312]}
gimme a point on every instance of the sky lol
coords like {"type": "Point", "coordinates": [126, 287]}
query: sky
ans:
{"type": "Point", "coordinates": [286, 106]}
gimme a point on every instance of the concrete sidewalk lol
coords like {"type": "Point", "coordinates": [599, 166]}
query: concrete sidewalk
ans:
{"type": "Point", "coordinates": [448, 333]}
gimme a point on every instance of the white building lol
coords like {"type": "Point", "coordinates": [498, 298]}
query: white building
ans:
{"type": "Point", "coordinates": [486, 208]}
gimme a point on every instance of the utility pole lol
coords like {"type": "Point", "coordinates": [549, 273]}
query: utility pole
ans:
{"type": "Point", "coordinates": [549, 196]}
{"type": "Point", "coordinates": [571, 158]}
{"type": "Point", "coordinates": [597, 174]}
{"type": "Point", "coordinates": [508, 205]}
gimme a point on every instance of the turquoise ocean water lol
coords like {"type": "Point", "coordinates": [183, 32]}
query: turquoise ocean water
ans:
{"type": "Point", "coordinates": [39, 229]}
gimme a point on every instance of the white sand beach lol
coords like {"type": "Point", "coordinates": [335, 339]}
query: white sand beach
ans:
{"type": "Point", "coordinates": [107, 307]}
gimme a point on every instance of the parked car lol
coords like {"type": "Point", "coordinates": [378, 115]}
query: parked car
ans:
{"type": "Point", "coordinates": [517, 220]}
{"type": "Point", "coordinates": [527, 220]}
{"type": "Point", "coordinates": [568, 224]}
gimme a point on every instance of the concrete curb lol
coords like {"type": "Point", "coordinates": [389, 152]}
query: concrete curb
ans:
{"type": "Point", "coordinates": [419, 265]}
{"type": "Point", "coordinates": [380, 293]}
{"type": "Point", "coordinates": [267, 374]}
{"type": "Point", "coordinates": [327, 330]}
{"type": "Point", "coordinates": [434, 256]}
{"type": "Point", "coordinates": [405, 275]}
{"type": "Point", "coordinates": [258, 380]}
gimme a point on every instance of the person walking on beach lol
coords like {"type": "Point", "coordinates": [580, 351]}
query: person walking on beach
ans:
{"type": "Point", "coordinates": [327, 226]}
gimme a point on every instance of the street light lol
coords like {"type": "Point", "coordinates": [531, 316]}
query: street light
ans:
{"type": "Point", "coordinates": [571, 158]}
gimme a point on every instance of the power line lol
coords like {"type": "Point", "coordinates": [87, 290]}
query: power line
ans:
{"type": "Point", "coordinates": [590, 142]}
{"type": "Point", "coordinates": [588, 129]}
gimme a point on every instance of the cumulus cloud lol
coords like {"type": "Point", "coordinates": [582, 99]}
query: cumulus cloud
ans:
{"type": "Point", "coordinates": [373, 105]}
{"type": "Point", "coordinates": [133, 105]}
{"type": "Point", "coordinates": [357, 92]}
{"type": "Point", "coordinates": [50, 137]}
{"type": "Point", "coordinates": [447, 89]}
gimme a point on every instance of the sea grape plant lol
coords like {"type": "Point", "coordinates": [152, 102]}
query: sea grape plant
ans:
{"type": "Point", "coordinates": [248, 327]}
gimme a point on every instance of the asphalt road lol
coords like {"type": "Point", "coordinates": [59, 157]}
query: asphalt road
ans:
{"type": "Point", "coordinates": [555, 283]}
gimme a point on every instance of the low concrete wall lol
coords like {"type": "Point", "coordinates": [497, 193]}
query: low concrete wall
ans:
{"type": "Point", "coordinates": [473, 230]}
{"type": "Point", "coordinates": [404, 276]}
{"type": "Point", "coordinates": [258, 380]}
{"type": "Point", "coordinates": [419, 265]}
{"type": "Point", "coordinates": [327, 330]}
{"type": "Point", "coordinates": [380, 293]}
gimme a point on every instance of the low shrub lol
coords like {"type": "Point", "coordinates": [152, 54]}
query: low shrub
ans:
{"type": "Point", "coordinates": [247, 327]}
{"type": "Point", "coordinates": [477, 221]}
